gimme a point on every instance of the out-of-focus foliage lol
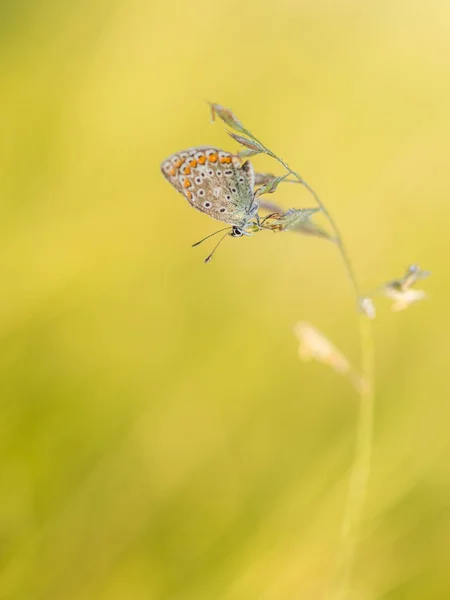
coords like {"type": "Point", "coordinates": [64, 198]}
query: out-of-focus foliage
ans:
{"type": "Point", "coordinates": [159, 436]}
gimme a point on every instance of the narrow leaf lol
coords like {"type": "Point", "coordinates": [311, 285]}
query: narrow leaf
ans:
{"type": "Point", "coordinates": [271, 186]}
{"type": "Point", "coordinates": [227, 116]}
{"type": "Point", "coordinates": [251, 144]}
{"type": "Point", "coordinates": [263, 178]}
{"type": "Point", "coordinates": [248, 153]}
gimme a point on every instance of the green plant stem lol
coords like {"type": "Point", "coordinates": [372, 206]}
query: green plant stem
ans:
{"type": "Point", "coordinates": [360, 469]}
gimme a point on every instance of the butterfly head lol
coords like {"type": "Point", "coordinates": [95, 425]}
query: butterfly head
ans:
{"type": "Point", "coordinates": [247, 229]}
{"type": "Point", "coordinates": [218, 184]}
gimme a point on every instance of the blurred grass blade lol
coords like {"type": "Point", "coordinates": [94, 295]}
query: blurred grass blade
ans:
{"type": "Point", "coordinates": [314, 346]}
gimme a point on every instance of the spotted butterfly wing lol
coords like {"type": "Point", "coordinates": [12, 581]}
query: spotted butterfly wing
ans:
{"type": "Point", "coordinates": [214, 182]}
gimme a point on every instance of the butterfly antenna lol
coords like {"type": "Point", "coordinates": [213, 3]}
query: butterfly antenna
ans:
{"type": "Point", "coordinates": [210, 235]}
{"type": "Point", "coordinates": [209, 257]}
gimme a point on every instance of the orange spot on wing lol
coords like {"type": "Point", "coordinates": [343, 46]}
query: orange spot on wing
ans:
{"type": "Point", "coordinates": [177, 162]}
{"type": "Point", "coordinates": [186, 183]}
{"type": "Point", "coordinates": [192, 163]}
{"type": "Point", "coordinates": [188, 194]}
{"type": "Point", "coordinates": [202, 159]}
{"type": "Point", "coordinates": [212, 157]}
{"type": "Point", "coordinates": [172, 171]}
{"type": "Point", "coordinates": [225, 159]}
{"type": "Point", "coordinates": [186, 171]}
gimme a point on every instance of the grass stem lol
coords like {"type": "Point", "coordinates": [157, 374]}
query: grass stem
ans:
{"type": "Point", "coordinates": [360, 469]}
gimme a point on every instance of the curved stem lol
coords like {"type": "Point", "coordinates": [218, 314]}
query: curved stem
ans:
{"type": "Point", "coordinates": [360, 469]}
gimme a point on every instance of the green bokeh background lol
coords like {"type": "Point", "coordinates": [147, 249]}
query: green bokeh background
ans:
{"type": "Point", "coordinates": [159, 437]}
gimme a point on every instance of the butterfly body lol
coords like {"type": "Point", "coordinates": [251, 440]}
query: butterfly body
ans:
{"type": "Point", "coordinates": [216, 183]}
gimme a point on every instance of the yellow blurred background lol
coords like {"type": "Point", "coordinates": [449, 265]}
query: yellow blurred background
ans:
{"type": "Point", "coordinates": [159, 437]}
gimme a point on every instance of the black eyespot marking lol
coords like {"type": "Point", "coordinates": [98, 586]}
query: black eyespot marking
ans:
{"type": "Point", "coordinates": [201, 192]}
{"type": "Point", "coordinates": [219, 173]}
{"type": "Point", "coordinates": [207, 204]}
{"type": "Point", "coordinates": [203, 175]}
{"type": "Point", "coordinates": [210, 172]}
{"type": "Point", "coordinates": [241, 179]}
{"type": "Point", "coordinates": [198, 180]}
{"type": "Point", "coordinates": [228, 172]}
{"type": "Point", "coordinates": [228, 197]}
{"type": "Point", "coordinates": [234, 190]}
{"type": "Point", "coordinates": [222, 210]}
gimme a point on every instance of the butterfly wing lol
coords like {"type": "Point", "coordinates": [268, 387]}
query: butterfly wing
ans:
{"type": "Point", "coordinates": [214, 182]}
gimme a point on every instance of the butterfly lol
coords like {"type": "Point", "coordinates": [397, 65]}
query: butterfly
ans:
{"type": "Point", "coordinates": [216, 183]}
